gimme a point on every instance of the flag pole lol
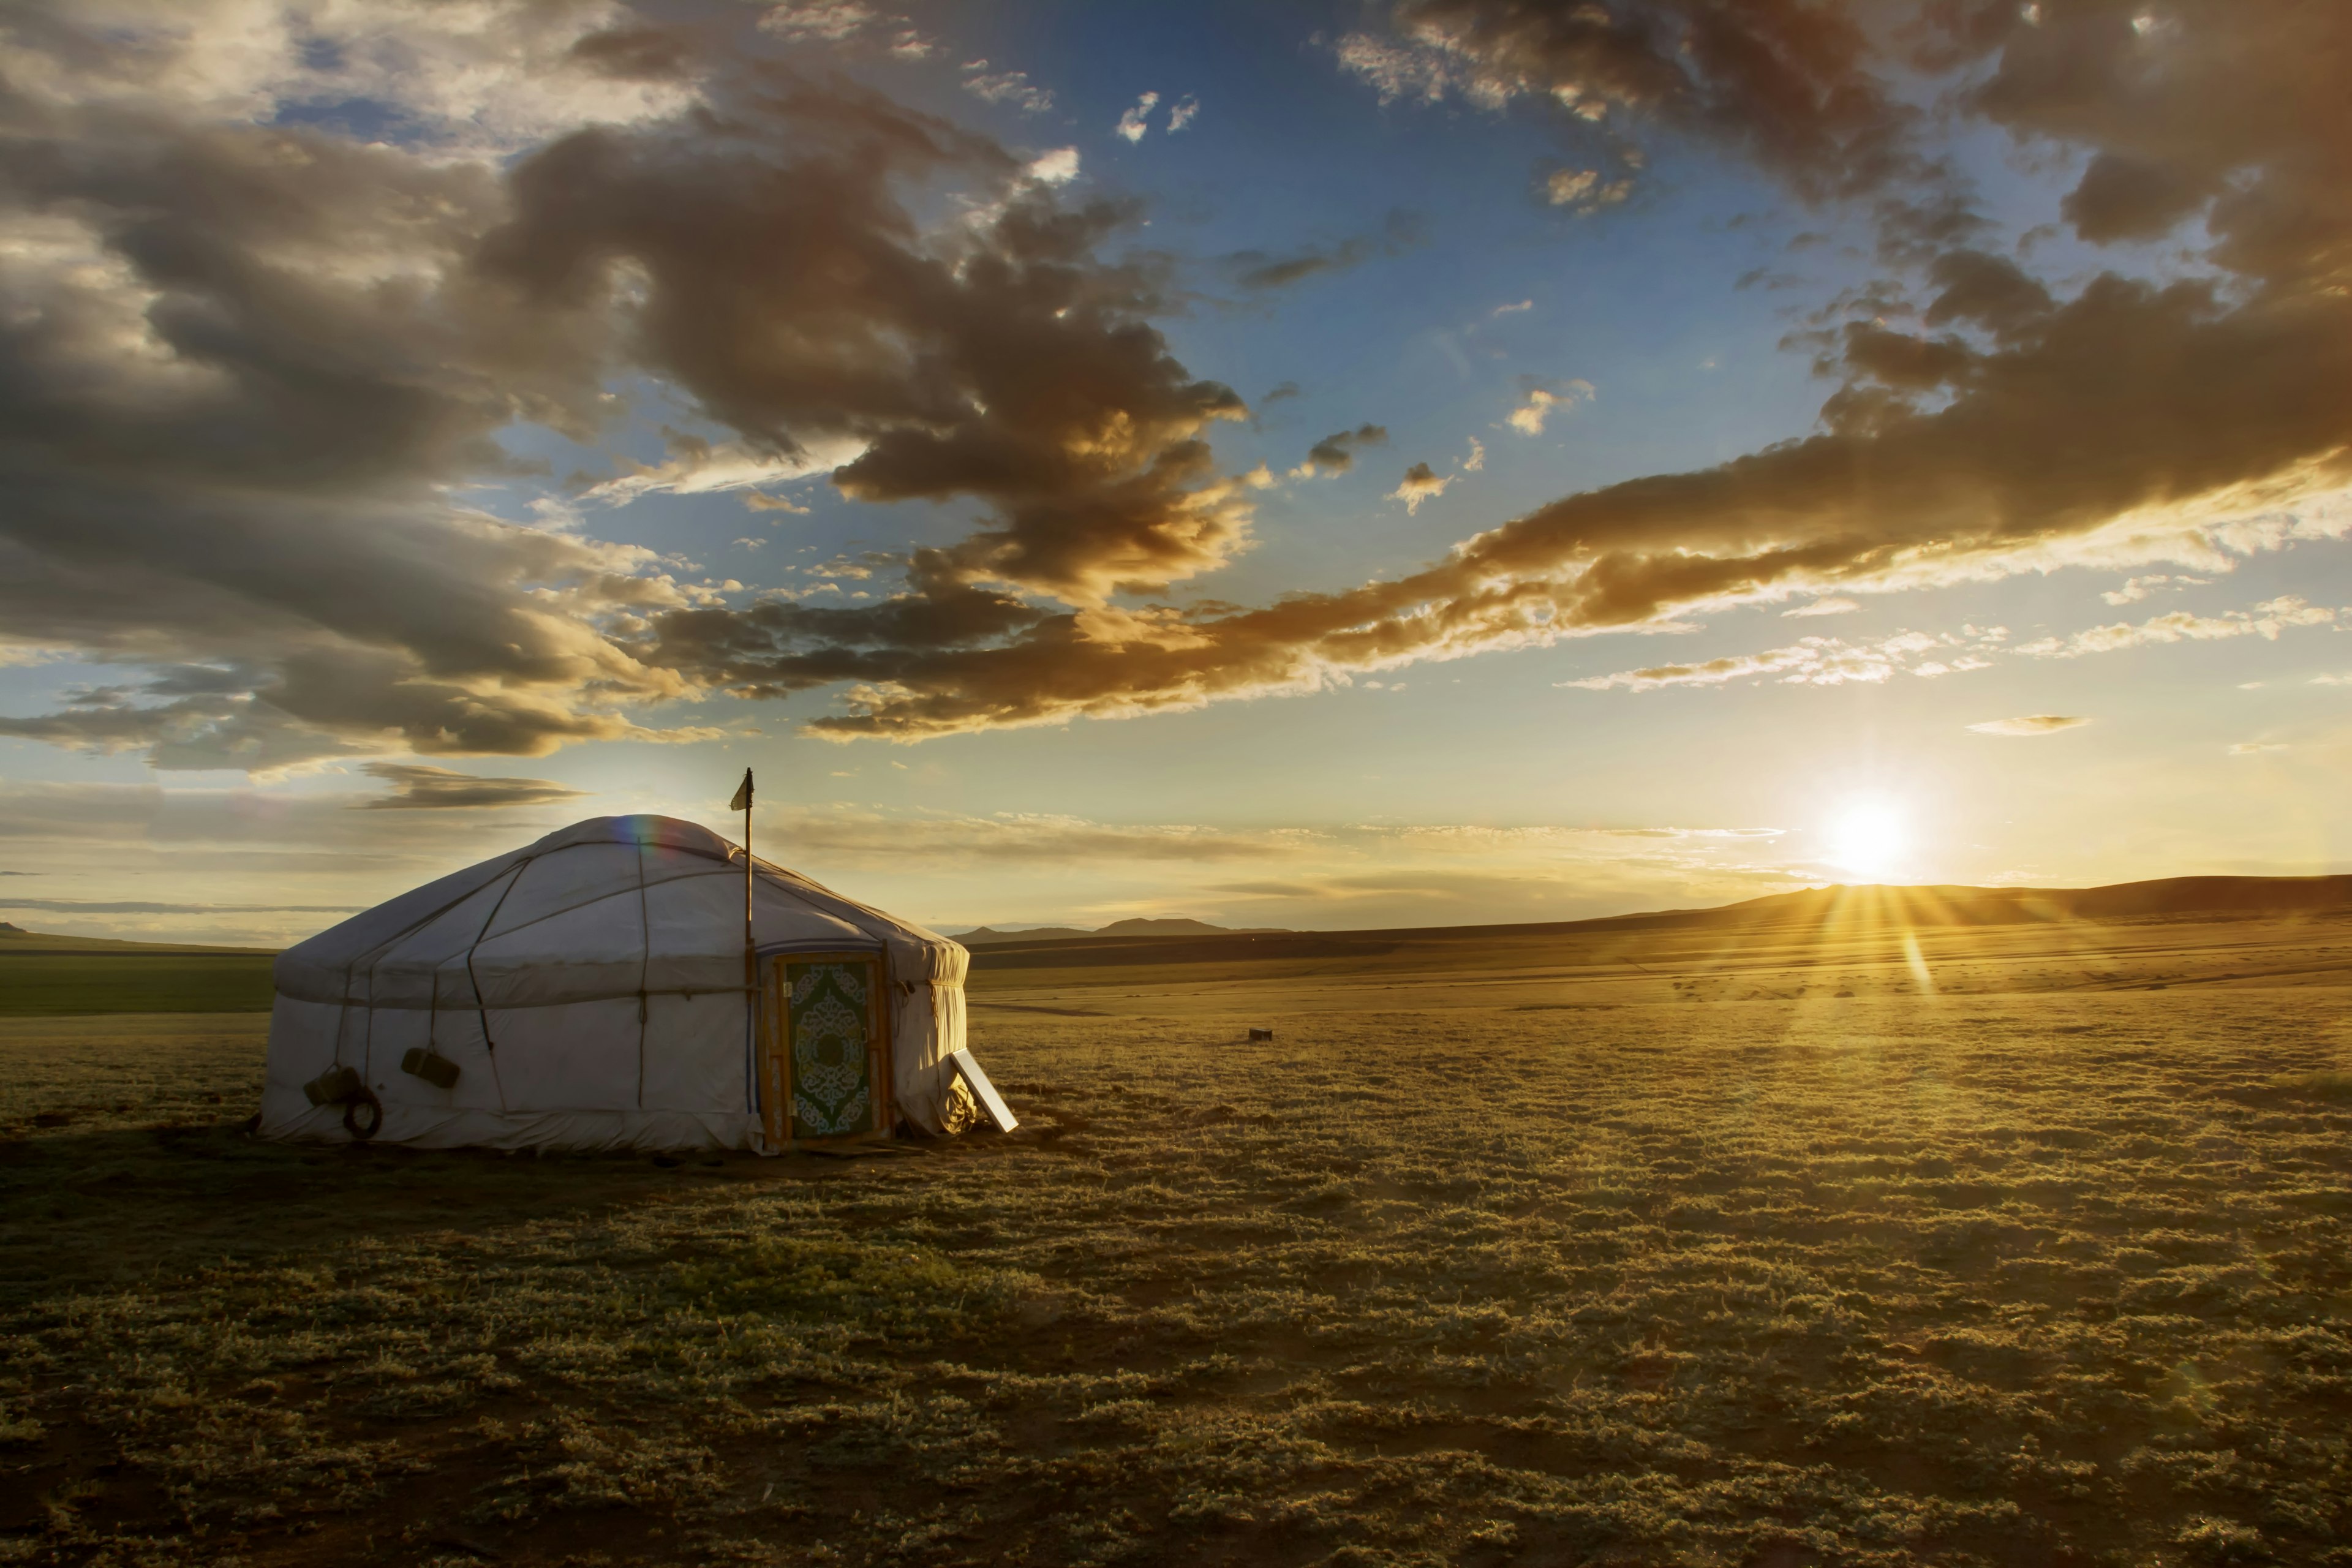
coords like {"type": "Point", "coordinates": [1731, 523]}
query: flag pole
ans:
{"type": "Point", "coordinates": [742, 802]}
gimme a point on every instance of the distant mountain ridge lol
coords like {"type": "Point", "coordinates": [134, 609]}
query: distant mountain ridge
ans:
{"type": "Point", "coordinates": [1820, 909]}
{"type": "Point", "coordinates": [987, 936]}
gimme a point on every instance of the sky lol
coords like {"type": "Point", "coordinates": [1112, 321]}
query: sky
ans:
{"type": "Point", "coordinates": [1322, 465]}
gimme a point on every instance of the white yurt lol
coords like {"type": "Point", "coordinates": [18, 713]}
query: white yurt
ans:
{"type": "Point", "coordinates": [590, 992]}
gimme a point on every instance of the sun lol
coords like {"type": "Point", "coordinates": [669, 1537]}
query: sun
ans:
{"type": "Point", "coordinates": [1869, 836]}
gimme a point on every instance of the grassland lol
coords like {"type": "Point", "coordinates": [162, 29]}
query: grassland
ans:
{"type": "Point", "coordinates": [43, 975]}
{"type": "Point", "coordinates": [2030, 1248]}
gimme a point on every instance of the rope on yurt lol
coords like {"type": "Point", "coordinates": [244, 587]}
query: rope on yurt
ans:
{"type": "Point", "coordinates": [489, 1046]}
{"type": "Point", "coordinates": [375, 956]}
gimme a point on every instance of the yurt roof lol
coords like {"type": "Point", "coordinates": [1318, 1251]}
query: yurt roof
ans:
{"type": "Point", "coordinates": [610, 907]}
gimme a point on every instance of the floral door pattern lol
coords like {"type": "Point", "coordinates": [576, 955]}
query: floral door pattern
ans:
{"type": "Point", "coordinates": [831, 1042]}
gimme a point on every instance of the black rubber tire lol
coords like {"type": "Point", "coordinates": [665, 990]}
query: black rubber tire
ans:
{"type": "Point", "coordinates": [364, 1100]}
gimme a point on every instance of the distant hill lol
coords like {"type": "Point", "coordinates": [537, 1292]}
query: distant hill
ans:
{"type": "Point", "coordinates": [987, 936]}
{"type": "Point", "coordinates": [2011, 906]}
{"type": "Point", "coordinates": [1827, 910]}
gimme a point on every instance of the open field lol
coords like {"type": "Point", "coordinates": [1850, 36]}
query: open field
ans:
{"type": "Point", "coordinates": [43, 975]}
{"type": "Point", "coordinates": [2030, 1249]}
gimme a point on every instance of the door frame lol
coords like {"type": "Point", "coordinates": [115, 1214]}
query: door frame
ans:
{"type": "Point", "coordinates": [776, 1051]}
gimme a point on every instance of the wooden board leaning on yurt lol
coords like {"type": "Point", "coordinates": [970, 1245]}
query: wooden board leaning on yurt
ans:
{"type": "Point", "coordinates": [44, 975]}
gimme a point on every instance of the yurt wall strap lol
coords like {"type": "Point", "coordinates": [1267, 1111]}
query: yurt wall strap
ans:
{"type": "Point", "coordinates": [481, 1009]}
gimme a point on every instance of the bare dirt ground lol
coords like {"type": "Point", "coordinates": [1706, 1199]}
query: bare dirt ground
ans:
{"type": "Point", "coordinates": [2030, 1248]}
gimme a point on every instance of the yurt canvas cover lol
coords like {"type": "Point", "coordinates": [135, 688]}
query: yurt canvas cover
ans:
{"type": "Point", "coordinates": [588, 992]}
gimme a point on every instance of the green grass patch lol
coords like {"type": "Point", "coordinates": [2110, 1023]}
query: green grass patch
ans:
{"type": "Point", "coordinates": [39, 983]}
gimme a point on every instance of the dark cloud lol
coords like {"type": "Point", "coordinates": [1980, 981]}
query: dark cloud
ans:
{"type": "Point", "coordinates": [635, 53]}
{"type": "Point", "coordinates": [416, 787]}
{"type": "Point", "coordinates": [249, 363]}
{"type": "Point", "coordinates": [1336, 453]}
{"type": "Point", "coordinates": [2195, 107]}
{"type": "Point", "coordinates": [1261, 271]}
{"type": "Point", "coordinates": [2129, 198]}
{"type": "Point", "coordinates": [787, 290]}
{"type": "Point", "coordinates": [1990, 292]}
{"type": "Point", "coordinates": [240, 367]}
{"type": "Point", "coordinates": [1789, 84]}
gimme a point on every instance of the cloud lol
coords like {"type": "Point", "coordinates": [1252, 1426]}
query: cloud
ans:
{"type": "Point", "coordinates": [1832, 661]}
{"type": "Point", "coordinates": [868, 838]}
{"type": "Point", "coordinates": [264, 865]}
{"type": "Point", "coordinates": [831, 21]}
{"type": "Point", "coordinates": [1828, 607]}
{"type": "Point", "coordinates": [697, 466]}
{"type": "Point", "coordinates": [1512, 310]}
{"type": "Point", "coordinates": [839, 22]}
{"type": "Point", "coordinates": [1133, 124]}
{"type": "Point", "coordinates": [2265, 620]}
{"type": "Point", "coordinates": [1336, 453]}
{"type": "Point", "coordinates": [247, 367]}
{"type": "Point", "coordinates": [1261, 271]}
{"type": "Point", "coordinates": [250, 363]}
{"type": "Point", "coordinates": [416, 787]}
{"type": "Point", "coordinates": [305, 851]}
{"type": "Point", "coordinates": [1027, 867]}
{"type": "Point", "coordinates": [1788, 87]}
{"type": "Point", "coordinates": [2257, 748]}
{"type": "Point", "coordinates": [1012, 88]}
{"type": "Point", "coordinates": [1478, 457]}
{"type": "Point", "coordinates": [1584, 190]}
{"type": "Point", "coordinates": [1541, 398]}
{"type": "Point", "coordinates": [240, 442]}
{"type": "Point", "coordinates": [947, 358]}
{"type": "Point", "coordinates": [2138, 588]}
{"type": "Point", "coordinates": [1419, 484]}
{"type": "Point", "coordinates": [1819, 661]}
{"type": "Point", "coordinates": [1059, 167]}
{"type": "Point", "coordinates": [1183, 114]}
{"type": "Point", "coordinates": [2030, 724]}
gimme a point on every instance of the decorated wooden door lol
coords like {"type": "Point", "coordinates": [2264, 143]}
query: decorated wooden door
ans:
{"type": "Point", "coordinates": [828, 1048]}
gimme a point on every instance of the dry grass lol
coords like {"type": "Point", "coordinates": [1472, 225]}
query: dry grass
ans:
{"type": "Point", "coordinates": [1989, 1279]}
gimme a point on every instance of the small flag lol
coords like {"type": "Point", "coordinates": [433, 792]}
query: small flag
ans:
{"type": "Point", "coordinates": [743, 801]}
